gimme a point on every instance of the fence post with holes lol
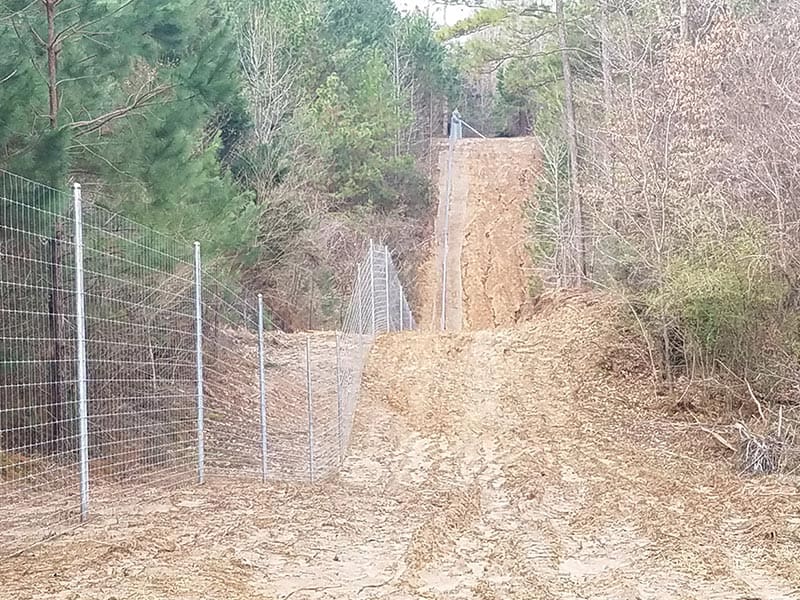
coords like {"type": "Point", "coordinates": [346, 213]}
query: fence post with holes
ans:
{"type": "Point", "coordinates": [198, 321]}
{"type": "Point", "coordinates": [80, 325]}
{"type": "Point", "coordinates": [262, 388]}
{"type": "Point", "coordinates": [310, 411]}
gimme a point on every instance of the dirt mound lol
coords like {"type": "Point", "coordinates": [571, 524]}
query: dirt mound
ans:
{"type": "Point", "coordinates": [488, 265]}
{"type": "Point", "coordinates": [513, 463]}
{"type": "Point", "coordinates": [583, 488]}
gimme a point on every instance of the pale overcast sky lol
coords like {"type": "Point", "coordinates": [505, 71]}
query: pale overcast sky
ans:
{"type": "Point", "coordinates": [439, 13]}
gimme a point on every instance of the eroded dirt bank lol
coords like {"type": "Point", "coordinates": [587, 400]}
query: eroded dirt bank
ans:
{"type": "Point", "coordinates": [488, 265]}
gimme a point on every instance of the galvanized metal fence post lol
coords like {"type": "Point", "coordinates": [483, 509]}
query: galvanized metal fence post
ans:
{"type": "Point", "coordinates": [372, 284]}
{"type": "Point", "coordinates": [198, 316]}
{"type": "Point", "coordinates": [340, 416]}
{"type": "Point", "coordinates": [310, 411]}
{"type": "Point", "coordinates": [446, 234]}
{"type": "Point", "coordinates": [80, 318]}
{"type": "Point", "coordinates": [402, 308]}
{"type": "Point", "coordinates": [262, 388]}
{"type": "Point", "coordinates": [360, 305]}
{"type": "Point", "coordinates": [386, 276]}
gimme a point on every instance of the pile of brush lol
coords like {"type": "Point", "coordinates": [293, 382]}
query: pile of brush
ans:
{"type": "Point", "coordinates": [770, 445]}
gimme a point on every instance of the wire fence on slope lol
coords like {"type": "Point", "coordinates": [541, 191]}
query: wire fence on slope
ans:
{"type": "Point", "coordinates": [129, 365]}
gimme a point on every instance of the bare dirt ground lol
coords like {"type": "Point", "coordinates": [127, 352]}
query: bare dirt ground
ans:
{"type": "Point", "coordinates": [530, 462]}
{"type": "Point", "coordinates": [522, 463]}
{"type": "Point", "coordinates": [495, 262]}
{"type": "Point", "coordinates": [430, 290]}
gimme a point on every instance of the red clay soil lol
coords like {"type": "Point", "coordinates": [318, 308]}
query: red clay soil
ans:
{"type": "Point", "coordinates": [488, 265]}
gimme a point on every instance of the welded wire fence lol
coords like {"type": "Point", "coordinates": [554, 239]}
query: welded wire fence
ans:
{"type": "Point", "coordinates": [128, 367]}
{"type": "Point", "coordinates": [456, 132]}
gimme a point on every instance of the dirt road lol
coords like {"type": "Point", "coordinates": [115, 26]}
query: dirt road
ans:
{"type": "Point", "coordinates": [530, 462]}
{"type": "Point", "coordinates": [519, 463]}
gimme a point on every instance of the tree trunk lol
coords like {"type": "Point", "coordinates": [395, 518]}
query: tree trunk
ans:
{"type": "Point", "coordinates": [578, 247]}
{"type": "Point", "coordinates": [684, 20]}
{"type": "Point", "coordinates": [56, 409]}
{"type": "Point", "coordinates": [52, 60]}
{"type": "Point", "coordinates": [397, 94]}
{"type": "Point", "coordinates": [605, 41]}
{"type": "Point", "coordinates": [608, 94]}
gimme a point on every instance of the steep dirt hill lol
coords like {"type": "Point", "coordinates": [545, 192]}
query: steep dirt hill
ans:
{"type": "Point", "coordinates": [488, 266]}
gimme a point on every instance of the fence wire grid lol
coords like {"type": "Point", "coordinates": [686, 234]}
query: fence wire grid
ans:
{"type": "Point", "coordinates": [128, 367]}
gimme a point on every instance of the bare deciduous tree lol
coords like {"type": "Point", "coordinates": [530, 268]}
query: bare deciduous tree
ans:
{"type": "Point", "coordinates": [270, 74]}
{"type": "Point", "coordinates": [578, 270]}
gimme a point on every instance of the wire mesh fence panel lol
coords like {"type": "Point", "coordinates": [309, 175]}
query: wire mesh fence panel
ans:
{"type": "Point", "coordinates": [287, 407]}
{"type": "Point", "coordinates": [354, 343]}
{"type": "Point", "coordinates": [313, 379]}
{"type": "Point", "coordinates": [140, 355]}
{"type": "Point", "coordinates": [129, 368]}
{"type": "Point", "coordinates": [231, 384]}
{"type": "Point", "coordinates": [38, 430]}
{"type": "Point", "coordinates": [324, 422]}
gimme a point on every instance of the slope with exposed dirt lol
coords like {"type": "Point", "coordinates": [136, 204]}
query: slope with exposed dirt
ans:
{"type": "Point", "coordinates": [488, 265]}
{"type": "Point", "coordinates": [513, 463]}
{"type": "Point", "coordinates": [527, 462]}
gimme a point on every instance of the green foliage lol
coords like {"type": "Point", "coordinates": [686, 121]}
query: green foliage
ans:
{"type": "Point", "coordinates": [363, 24]}
{"type": "Point", "coordinates": [356, 118]}
{"type": "Point", "coordinates": [721, 294]}
{"type": "Point", "coordinates": [181, 53]}
{"type": "Point", "coordinates": [154, 114]}
{"type": "Point", "coordinates": [486, 17]}
{"type": "Point", "coordinates": [430, 64]}
{"type": "Point", "coordinates": [360, 109]}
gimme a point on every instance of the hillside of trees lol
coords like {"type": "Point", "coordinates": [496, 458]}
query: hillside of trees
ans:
{"type": "Point", "coordinates": [283, 133]}
{"type": "Point", "coordinates": [279, 133]}
{"type": "Point", "coordinates": [669, 133]}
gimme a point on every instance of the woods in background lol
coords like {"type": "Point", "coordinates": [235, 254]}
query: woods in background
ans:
{"type": "Point", "coordinates": [274, 131]}
{"type": "Point", "coordinates": [670, 170]}
{"type": "Point", "coordinates": [282, 132]}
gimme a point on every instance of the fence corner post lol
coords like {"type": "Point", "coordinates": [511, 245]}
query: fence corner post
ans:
{"type": "Point", "coordinates": [80, 318]}
{"type": "Point", "coordinates": [198, 312]}
{"type": "Point", "coordinates": [262, 388]}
